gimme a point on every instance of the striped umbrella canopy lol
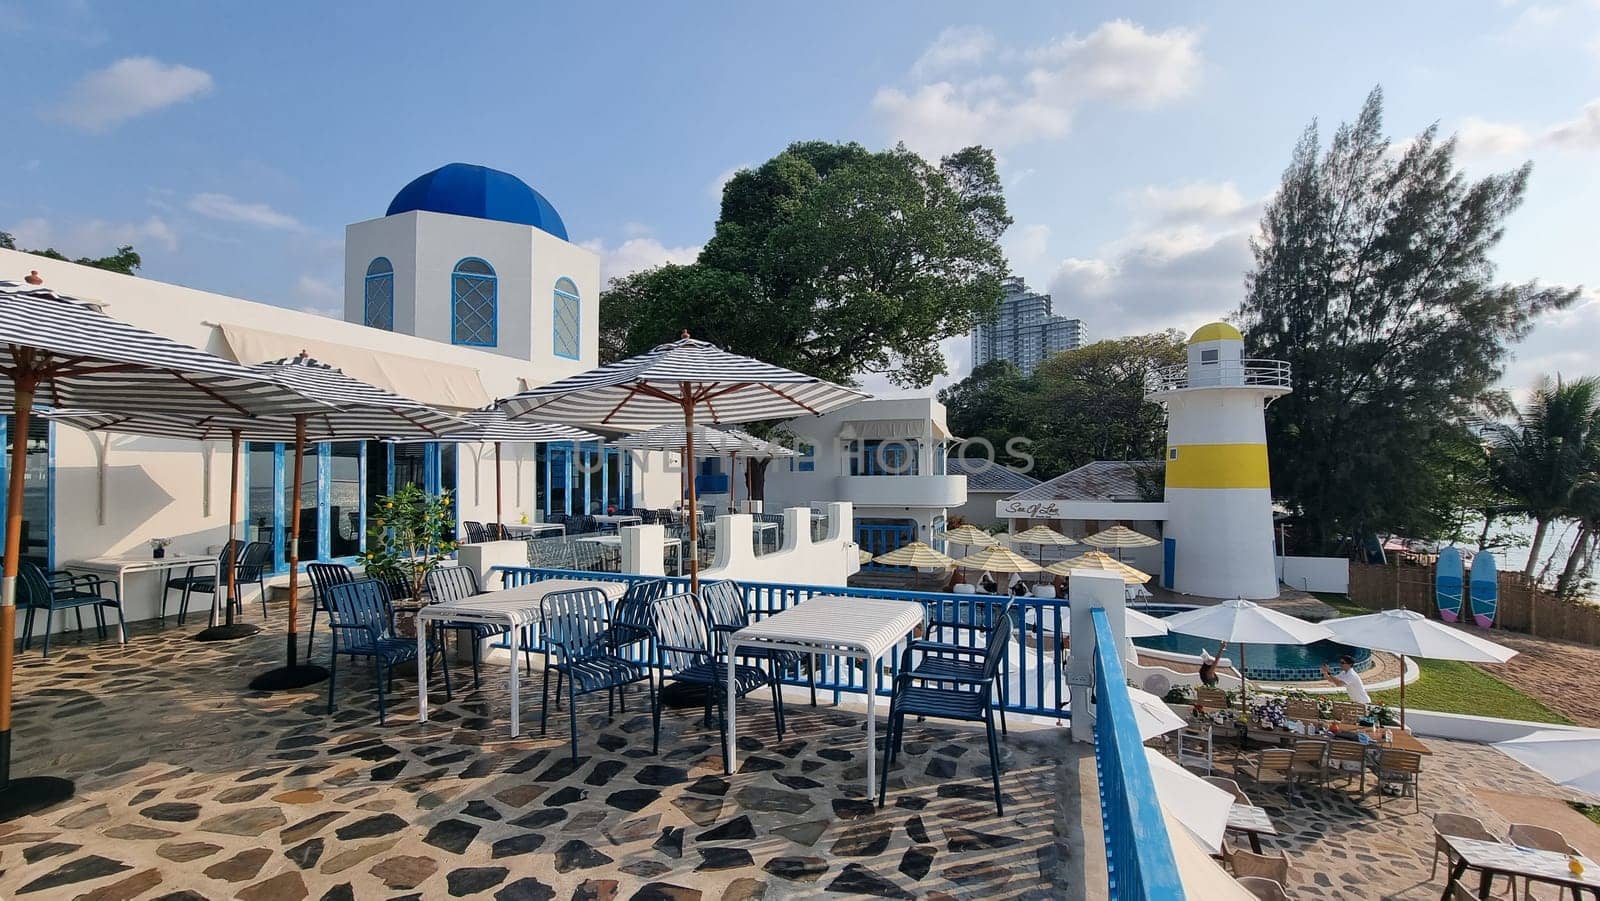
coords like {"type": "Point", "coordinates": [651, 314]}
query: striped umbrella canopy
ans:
{"type": "Point", "coordinates": [864, 557]}
{"type": "Point", "coordinates": [1098, 561]}
{"type": "Point", "coordinates": [63, 351]}
{"type": "Point", "coordinates": [675, 383]}
{"type": "Point", "coordinates": [1120, 536]}
{"type": "Point", "coordinates": [762, 449]}
{"type": "Point", "coordinates": [1042, 535]}
{"type": "Point", "coordinates": [915, 554]}
{"type": "Point", "coordinates": [1000, 560]}
{"type": "Point", "coordinates": [708, 441]}
{"type": "Point", "coordinates": [970, 535]}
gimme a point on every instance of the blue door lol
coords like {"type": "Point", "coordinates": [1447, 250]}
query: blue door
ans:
{"type": "Point", "coordinates": [880, 536]}
{"type": "Point", "coordinates": [1169, 561]}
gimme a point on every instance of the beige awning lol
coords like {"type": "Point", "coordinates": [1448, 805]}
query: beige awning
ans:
{"type": "Point", "coordinates": [445, 385]}
{"type": "Point", "coordinates": [878, 429]}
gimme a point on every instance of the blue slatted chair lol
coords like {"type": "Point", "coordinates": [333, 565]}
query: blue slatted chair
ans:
{"type": "Point", "coordinates": [361, 621]}
{"type": "Point", "coordinates": [476, 534]}
{"type": "Point", "coordinates": [967, 700]}
{"type": "Point", "coordinates": [455, 583]}
{"type": "Point", "coordinates": [254, 563]}
{"type": "Point", "coordinates": [970, 632]}
{"type": "Point", "coordinates": [630, 619]}
{"type": "Point", "coordinates": [64, 591]}
{"type": "Point", "coordinates": [684, 655]}
{"type": "Point", "coordinates": [576, 625]}
{"type": "Point", "coordinates": [726, 613]}
{"type": "Point", "coordinates": [323, 576]}
{"type": "Point", "coordinates": [201, 577]}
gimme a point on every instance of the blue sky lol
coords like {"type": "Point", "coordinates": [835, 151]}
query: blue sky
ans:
{"type": "Point", "coordinates": [231, 143]}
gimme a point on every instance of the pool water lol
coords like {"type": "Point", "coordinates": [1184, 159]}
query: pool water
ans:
{"type": "Point", "coordinates": [1266, 662]}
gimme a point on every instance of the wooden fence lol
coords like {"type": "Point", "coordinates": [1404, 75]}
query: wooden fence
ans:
{"type": "Point", "coordinates": [1523, 608]}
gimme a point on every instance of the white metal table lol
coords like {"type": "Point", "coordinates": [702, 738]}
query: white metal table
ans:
{"type": "Point", "coordinates": [529, 529]}
{"type": "Point", "coordinates": [616, 541]}
{"type": "Point", "coordinates": [120, 566]}
{"type": "Point", "coordinates": [858, 628]}
{"type": "Point", "coordinates": [514, 608]}
{"type": "Point", "coordinates": [617, 520]}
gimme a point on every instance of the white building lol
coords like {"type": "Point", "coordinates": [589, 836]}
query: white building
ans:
{"type": "Point", "coordinates": [1093, 497]}
{"type": "Point", "coordinates": [1025, 330]}
{"type": "Point", "coordinates": [886, 458]}
{"type": "Point", "coordinates": [467, 291]}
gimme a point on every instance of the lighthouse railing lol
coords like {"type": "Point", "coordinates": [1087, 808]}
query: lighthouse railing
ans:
{"type": "Point", "coordinates": [1251, 373]}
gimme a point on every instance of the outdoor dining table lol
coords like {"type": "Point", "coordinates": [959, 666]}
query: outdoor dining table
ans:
{"type": "Point", "coordinates": [617, 520]}
{"type": "Point", "coordinates": [1252, 821]}
{"type": "Point", "coordinates": [120, 566]}
{"type": "Point", "coordinates": [857, 628]}
{"type": "Point", "coordinates": [516, 609]}
{"type": "Point", "coordinates": [676, 546]}
{"type": "Point", "coordinates": [1493, 859]}
{"type": "Point", "coordinates": [529, 529]}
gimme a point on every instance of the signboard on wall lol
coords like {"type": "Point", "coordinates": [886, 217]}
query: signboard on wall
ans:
{"type": "Point", "coordinates": [1030, 509]}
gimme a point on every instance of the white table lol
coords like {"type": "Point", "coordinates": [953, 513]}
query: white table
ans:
{"type": "Point", "coordinates": [120, 566]}
{"type": "Point", "coordinates": [617, 520]}
{"type": "Point", "coordinates": [858, 628]}
{"type": "Point", "coordinates": [616, 541]}
{"type": "Point", "coordinates": [514, 608]}
{"type": "Point", "coordinates": [526, 529]}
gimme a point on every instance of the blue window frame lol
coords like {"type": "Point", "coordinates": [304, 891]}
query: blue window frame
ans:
{"type": "Point", "coordinates": [38, 488]}
{"type": "Point", "coordinates": [378, 305]}
{"type": "Point", "coordinates": [333, 499]}
{"type": "Point", "coordinates": [568, 320]}
{"type": "Point", "coordinates": [807, 461]}
{"type": "Point", "coordinates": [474, 304]}
{"type": "Point", "coordinates": [575, 478]}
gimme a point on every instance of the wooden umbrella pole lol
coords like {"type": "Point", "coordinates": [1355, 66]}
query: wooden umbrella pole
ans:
{"type": "Point", "coordinates": [694, 525]}
{"type": "Point", "coordinates": [233, 529]}
{"type": "Point", "coordinates": [294, 540]}
{"type": "Point", "coordinates": [733, 494]}
{"type": "Point", "coordinates": [1244, 683]}
{"type": "Point", "coordinates": [1402, 691]}
{"type": "Point", "coordinates": [499, 523]}
{"type": "Point", "coordinates": [23, 389]}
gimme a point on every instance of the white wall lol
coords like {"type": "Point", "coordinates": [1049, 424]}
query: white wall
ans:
{"type": "Point", "coordinates": [1315, 573]}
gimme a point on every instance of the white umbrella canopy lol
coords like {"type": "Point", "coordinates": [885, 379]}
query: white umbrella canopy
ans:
{"type": "Point", "coordinates": [1240, 622]}
{"type": "Point", "coordinates": [63, 351]}
{"type": "Point", "coordinates": [1201, 807]}
{"type": "Point", "coordinates": [1411, 634]}
{"type": "Point", "coordinates": [1152, 715]}
{"type": "Point", "coordinates": [676, 383]}
{"type": "Point", "coordinates": [1570, 757]}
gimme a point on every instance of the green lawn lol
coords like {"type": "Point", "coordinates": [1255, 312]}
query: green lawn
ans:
{"type": "Point", "coordinates": [1588, 810]}
{"type": "Point", "coordinates": [1448, 686]}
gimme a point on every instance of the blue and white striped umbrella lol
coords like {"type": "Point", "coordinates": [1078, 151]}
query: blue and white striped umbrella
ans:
{"type": "Point", "coordinates": [708, 441]}
{"type": "Point", "coordinates": [490, 425]}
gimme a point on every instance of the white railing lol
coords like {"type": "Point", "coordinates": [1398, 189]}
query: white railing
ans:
{"type": "Point", "coordinates": [1254, 373]}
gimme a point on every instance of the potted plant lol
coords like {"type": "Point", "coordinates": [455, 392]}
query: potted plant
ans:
{"type": "Point", "coordinates": [412, 533]}
{"type": "Point", "coordinates": [158, 547]}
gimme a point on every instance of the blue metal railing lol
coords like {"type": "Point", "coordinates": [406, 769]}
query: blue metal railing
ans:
{"type": "Point", "coordinates": [1032, 670]}
{"type": "Point", "coordinates": [1139, 855]}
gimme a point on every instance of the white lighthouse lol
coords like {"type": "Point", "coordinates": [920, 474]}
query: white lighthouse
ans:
{"type": "Point", "coordinates": [1218, 540]}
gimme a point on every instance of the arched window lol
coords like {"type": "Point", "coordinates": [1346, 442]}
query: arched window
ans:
{"type": "Point", "coordinates": [474, 304]}
{"type": "Point", "coordinates": [378, 309]}
{"type": "Point", "coordinates": [569, 319]}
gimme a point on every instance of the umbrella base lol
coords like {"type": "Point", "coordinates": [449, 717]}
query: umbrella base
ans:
{"type": "Point", "coordinates": [288, 678]}
{"type": "Point", "coordinates": [227, 632]}
{"type": "Point", "coordinates": [32, 794]}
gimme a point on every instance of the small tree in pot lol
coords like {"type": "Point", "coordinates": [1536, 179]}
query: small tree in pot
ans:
{"type": "Point", "coordinates": [411, 534]}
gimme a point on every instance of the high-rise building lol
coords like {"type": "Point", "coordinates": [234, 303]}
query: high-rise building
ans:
{"type": "Point", "coordinates": [1024, 330]}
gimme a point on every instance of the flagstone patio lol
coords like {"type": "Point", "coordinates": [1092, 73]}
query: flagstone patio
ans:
{"type": "Point", "coordinates": [192, 786]}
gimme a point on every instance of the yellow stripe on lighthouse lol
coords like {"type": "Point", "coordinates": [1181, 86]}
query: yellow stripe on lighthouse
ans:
{"type": "Point", "coordinates": [1217, 466]}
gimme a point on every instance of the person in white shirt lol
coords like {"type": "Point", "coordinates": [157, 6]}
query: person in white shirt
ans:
{"type": "Point", "coordinates": [1348, 679]}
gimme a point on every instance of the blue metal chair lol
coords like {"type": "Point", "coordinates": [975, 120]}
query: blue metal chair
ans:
{"type": "Point", "coordinates": [455, 583]}
{"type": "Point", "coordinates": [684, 655]}
{"type": "Point", "coordinates": [323, 576]}
{"type": "Point", "coordinates": [967, 701]}
{"type": "Point", "coordinates": [64, 591]}
{"type": "Point", "coordinates": [576, 625]}
{"type": "Point", "coordinates": [726, 613]}
{"type": "Point", "coordinates": [968, 629]}
{"type": "Point", "coordinates": [201, 577]}
{"type": "Point", "coordinates": [361, 621]}
{"type": "Point", "coordinates": [630, 619]}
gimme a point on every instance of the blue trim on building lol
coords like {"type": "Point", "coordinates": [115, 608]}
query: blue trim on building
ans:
{"type": "Point", "coordinates": [574, 341]}
{"type": "Point", "coordinates": [385, 278]}
{"type": "Point", "coordinates": [461, 189]}
{"type": "Point", "coordinates": [465, 288]}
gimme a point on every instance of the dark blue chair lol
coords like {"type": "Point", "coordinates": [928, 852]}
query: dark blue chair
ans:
{"type": "Point", "coordinates": [967, 626]}
{"type": "Point", "coordinates": [726, 613]}
{"type": "Point", "coordinates": [576, 626]}
{"type": "Point", "coordinates": [201, 577]}
{"type": "Point", "coordinates": [64, 591]}
{"type": "Point", "coordinates": [950, 697]}
{"type": "Point", "coordinates": [684, 655]}
{"type": "Point", "coordinates": [361, 621]}
{"type": "Point", "coordinates": [456, 583]}
{"type": "Point", "coordinates": [324, 576]}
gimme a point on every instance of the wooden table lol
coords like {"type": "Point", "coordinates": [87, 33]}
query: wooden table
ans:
{"type": "Point", "coordinates": [859, 628]}
{"type": "Point", "coordinates": [1403, 740]}
{"type": "Point", "coordinates": [516, 609]}
{"type": "Point", "coordinates": [1252, 821]}
{"type": "Point", "coordinates": [1493, 859]}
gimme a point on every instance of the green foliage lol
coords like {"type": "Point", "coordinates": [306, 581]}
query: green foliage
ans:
{"type": "Point", "coordinates": [832, 260]}
{"type": "Point", "coordinates": [1450, 686]}
{"type": "Point", "coordinates": [1078, 406]}
{"type": "Point", "coordinates": [411, 534]}
{"type": "Point", "coordinates": [1547, 458]}
{"type": "Point", "coordinates": [125, 260]}
{"type": "Point", "coordinates": [1373, 279]}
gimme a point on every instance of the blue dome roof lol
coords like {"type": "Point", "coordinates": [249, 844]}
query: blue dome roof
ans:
{"type": "Point", "coordinates": [482, 193]}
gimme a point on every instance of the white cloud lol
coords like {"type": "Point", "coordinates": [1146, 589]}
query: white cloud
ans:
{"type": "Point", "coordinates": [1478, 138]}
{"type": "Point", "coordinates": [637, 253]}
{"type": "Point", "coordinates": [1026, 244]}
{"type": "Point", "coordinates": [1582, 133]}
{"type": "Point", "coordinates": [958, 363]}
{"type": "Point", "coordinates": [127, 89]}
{"type": "Point", "coordinates": [961, 45]}
{"type": "Point", "coordinates": [714, 188]}
{"type": "Point", "coordinates": [1199, 200]}
{"type": "Point", "coordinates": [95, 237]}
{"type": "Point", "coordinates": [1037, 95]}
{"type": "Point", "coordinates": [230, 209]}
{"type": "Point", "coordinates": [321, 293]}
{"type": "Point", "coordinates": [1561, 344]}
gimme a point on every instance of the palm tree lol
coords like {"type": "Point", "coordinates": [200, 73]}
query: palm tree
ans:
{"type": "Point", "coordinates": [1541, 459]}
{"type": "Point", "coordinates": [1585, 508]}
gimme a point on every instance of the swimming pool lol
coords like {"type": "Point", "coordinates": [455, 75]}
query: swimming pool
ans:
{"type": "Point", "coordinates": [1266, 662]}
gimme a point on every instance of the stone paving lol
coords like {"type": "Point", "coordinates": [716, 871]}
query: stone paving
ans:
{"type": "Point", "coordinates": [192, 786]}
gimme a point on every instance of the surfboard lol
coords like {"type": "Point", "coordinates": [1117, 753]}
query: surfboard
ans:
{"type": "Point", "coordinates": [1447, 584]}
{"type": "Point", "coordinates": [1485, 590]}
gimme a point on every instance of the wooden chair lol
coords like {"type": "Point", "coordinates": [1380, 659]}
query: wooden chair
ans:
{"type": "Point", "coordinates": [1398, 767]}
{"type": "Point", "coordinates": [1195, 748]}
{"type": "Point", "coordinates": [1272, 767]}
{"type": "Point", "coordinates": [1349, 712]}
{"type": "Point", "coordinates": [1309, 762]}
{"type": "Point", "coordinates": [1302, 709]}
{"type": "Point", "coordinates": [1347, 760]}
{"type": "Point", "coordinates": [1214, 698]}
{"type": "Point", "coordinates": [1231, 787]}
{"type": "Point", "coordinates": [1263, 888]}
{"type": "Point", "coordinates": [1248, 863]}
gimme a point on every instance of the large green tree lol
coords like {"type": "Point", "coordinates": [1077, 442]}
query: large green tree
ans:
{"type": "Point", "coordinates": [1372, 278]}
{"type": "Point", "coordinates": [1551, 450]}
{"type": "Point", "coordinates": [834, 260]}
{"type": "Point", "coordinates": [125, 260]}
